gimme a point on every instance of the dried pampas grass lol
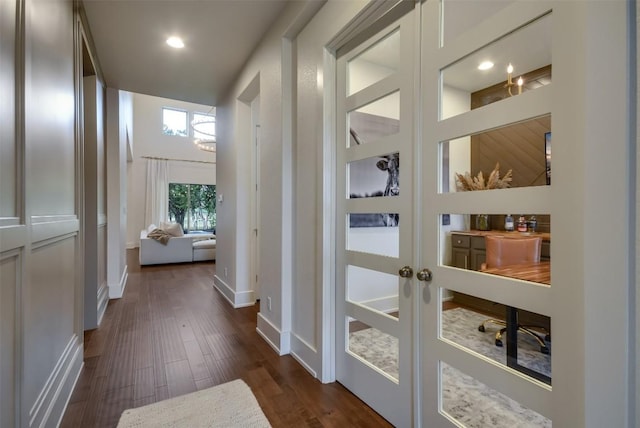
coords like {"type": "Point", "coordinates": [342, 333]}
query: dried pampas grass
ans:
{"type": "Point", "coordinates": [467, 183]}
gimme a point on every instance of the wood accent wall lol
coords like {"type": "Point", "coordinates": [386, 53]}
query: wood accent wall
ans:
{"type": "Point", "coordinates": [518, 147]}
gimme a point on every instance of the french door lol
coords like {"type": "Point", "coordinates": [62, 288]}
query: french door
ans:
{"type": "Point", "coordinates": [375, 221]}
{"type": "Point", "coordinates": [486, 106]}
{"type": "Point", "coordinates": [411, 299]}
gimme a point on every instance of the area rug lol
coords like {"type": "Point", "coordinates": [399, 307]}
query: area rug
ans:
{"type": "Point", "coordinates": [228, 405]}
{"type": "Point", "coordinates": [465, 399]}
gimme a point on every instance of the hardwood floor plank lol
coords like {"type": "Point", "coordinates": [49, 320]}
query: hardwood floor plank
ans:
{"type": "Point", "coordinates": [162, 393]}
{"type": "Point", "coordinates": [170, 340]}
{"type": "Point", "coordinates": [158, 359]}
{"type": "Point", "coordinates": [204, 383]}
{"type": "Point", "coordinates": [222, 371]}
{"type": "Point", "coordinates": [184, 324]}
{"type": "Point", "coordinates": [179, 378]}
{"type": "Point", "coordinates": [144, 384]}
{"type": "Point", "coordinates": [144, 401]}
{"type": "Point", "coordinates": [172, 333]}
{"type": "Point", "coordinates": [143, 355]}
{"type": "Point", "coordinates": [111, 404]}
{"type": "Point", "coordinates": [196, 360]}
{"type": "Point", "coordinates": [91, 408]}
{"type": "Point", "coordinates": [121, 369]}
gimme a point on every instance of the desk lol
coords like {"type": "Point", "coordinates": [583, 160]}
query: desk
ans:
{"type": "Point", "coordinates": [535, 272]}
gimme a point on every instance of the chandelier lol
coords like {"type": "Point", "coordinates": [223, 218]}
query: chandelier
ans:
{"type": "Point", "coordinates": [204, 127]}
{"type": "Point", "coordinates": [510, 83]}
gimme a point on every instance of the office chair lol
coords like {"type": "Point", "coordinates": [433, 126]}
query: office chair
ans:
{"type": "Point", "coordinates": [513, 251]}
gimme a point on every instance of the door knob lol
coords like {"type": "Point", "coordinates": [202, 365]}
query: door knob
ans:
{"type": "Point", "coordinates": [406, 272]}
{"type": "Point", "coordinates": [424, 275]}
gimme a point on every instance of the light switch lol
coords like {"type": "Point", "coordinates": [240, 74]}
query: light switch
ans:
{"type": "Point", "coordinates": [220, 198]}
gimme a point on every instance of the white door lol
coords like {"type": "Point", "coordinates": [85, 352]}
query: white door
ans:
{"type": "Point", "coordinates": [473, 118]}
{"type": "Point", "coordinates": [375, 221]}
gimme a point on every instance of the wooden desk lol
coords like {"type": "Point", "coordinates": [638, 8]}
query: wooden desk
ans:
{"type": "Point", "coordinates": [534, 272]}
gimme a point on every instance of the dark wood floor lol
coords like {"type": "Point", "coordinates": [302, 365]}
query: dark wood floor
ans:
{"type": "Point", "coordinates": [172, 334]}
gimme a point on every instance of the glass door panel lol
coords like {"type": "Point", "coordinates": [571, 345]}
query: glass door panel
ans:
{"type": "Point", "coordinates": [375, 121]}
{"type": "Point", "coordinates": [484, 406]}
{"type": "Point", "coordinates": [510, 66]}
{"type": "Point", "coordinates": [374, 221]}
{"type": "Point", "coordinates": [485, 216]}
{"type": "Point", "coordinates": [374, 64]}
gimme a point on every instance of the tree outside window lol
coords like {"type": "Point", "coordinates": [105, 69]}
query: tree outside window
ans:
{"type": "Point", "coordinates": [193, 206]}
{"type": "Point", "coordinates": [174, 122]}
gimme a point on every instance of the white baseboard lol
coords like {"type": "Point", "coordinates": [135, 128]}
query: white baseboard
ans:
{"type": "Point", "coordinates": [103, 300]}
{"type": "Point", "coordinates": [49, 407]}
{"type": "Point", "coordinates": [304, 353]}
{"type": "Point", "coordinates": [240, 299]}
{"type": "Point", "coordinates": [279, 341]}
{"type": "Point", "coordinates": [116, 291]}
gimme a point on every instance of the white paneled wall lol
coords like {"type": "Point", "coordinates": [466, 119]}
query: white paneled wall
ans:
{"type": "Point", "coordinates": [40, 251]}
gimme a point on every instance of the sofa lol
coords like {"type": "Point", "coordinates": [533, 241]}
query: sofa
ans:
{"type": "Point", "coordinates": [179, 249]}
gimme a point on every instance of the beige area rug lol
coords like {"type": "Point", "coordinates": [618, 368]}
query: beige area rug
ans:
{"type": "Point", "coordinates": [228, 405]}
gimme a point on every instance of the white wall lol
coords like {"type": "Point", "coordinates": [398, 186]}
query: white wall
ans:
{"type": "Point", "coordinates": [262, 75]}
{"type": "Point", "coordinates": [308, 341]}
{"type": "Point", "coordinates": [190, 165]}
{"type": "Point", "coordinates": [119, 134]}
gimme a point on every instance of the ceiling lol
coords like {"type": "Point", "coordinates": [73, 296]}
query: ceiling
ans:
{"type": "Point", "coordinates": [219, 37]}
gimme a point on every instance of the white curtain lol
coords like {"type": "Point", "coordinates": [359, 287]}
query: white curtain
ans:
{"type": "Point", "coordinates": [157, 197]}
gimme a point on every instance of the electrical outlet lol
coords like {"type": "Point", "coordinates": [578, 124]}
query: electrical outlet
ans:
{"type": "Point", "coordinates": [269, 304]}
{"type": "Point", "coordinates": [225, 272]}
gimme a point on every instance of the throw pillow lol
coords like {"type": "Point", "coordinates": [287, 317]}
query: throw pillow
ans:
{"type": "Point", "coordinates": [174, 229]}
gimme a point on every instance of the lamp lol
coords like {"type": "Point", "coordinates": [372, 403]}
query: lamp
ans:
{"type": "Point", "coordinates": [510, 83]}
{"type": "Point", "coordinates": [204, 131]}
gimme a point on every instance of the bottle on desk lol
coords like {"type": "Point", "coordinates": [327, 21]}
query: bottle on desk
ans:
{"type": "Point", "coordinates": [508, 223]}
{"type": "Point", "coordinates": [522, 224]}
{"type": "Point", "coordinates": [533, 224]}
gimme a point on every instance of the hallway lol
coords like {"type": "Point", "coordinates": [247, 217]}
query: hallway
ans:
{"type": "Point", "coordinates": [172, 334]}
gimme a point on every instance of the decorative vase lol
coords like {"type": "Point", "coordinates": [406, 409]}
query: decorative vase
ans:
{"type": "Point", "coordinates": [482, 222]}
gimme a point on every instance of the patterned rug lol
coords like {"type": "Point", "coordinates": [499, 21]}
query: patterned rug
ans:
{"type": "Point", "coordinates": [228, 405]}
{"type": "Point", "coordinates": [464, 398]}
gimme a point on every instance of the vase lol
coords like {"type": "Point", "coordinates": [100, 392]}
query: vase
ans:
{"type": "Point", "coordinates": [482, 222]}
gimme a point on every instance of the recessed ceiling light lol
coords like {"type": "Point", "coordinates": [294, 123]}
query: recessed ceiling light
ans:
{"type": "Point", "coordinates": [485, 65]}
{"type": "Point", "coordinates": [175, 42]}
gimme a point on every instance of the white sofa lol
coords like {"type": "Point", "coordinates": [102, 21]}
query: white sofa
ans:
{"type": "Point", "coordinates": [179, 249]}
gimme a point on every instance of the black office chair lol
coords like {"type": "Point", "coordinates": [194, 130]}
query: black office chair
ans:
{"type": "Point", "coordinates": [514, 251]}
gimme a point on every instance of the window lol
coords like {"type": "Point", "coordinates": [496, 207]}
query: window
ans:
{"type": "Point", "coordinates": [174, 122]}
{"type": "Point", "coordinates": [193, 206]}
{"type": "Point", "coordinates": [204, 126]}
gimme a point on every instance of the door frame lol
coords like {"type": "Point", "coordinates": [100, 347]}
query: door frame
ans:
{"type": "Point", "coordinates": [254, 277]}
